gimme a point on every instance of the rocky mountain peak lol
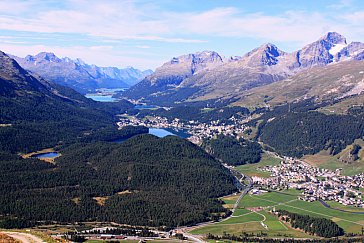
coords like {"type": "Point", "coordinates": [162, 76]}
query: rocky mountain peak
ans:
{"type": "Point", "coordinates": [322, 51]}
{"type": "Point", "coordinates": [333, 38]}
{"type": "Point", "coordinates": [210, 56]}
{"type": "Point", "coordinates": [198, 57]}
{"type": "Point", "coordinates": [29, 58]}
{"type": "Point", "coordinates": [80, 62]}
{"type": "Point", "coordinates": [202, 60]}
{"type": "Point", "coordinates": [191, 63]}
{"type": "Point", "coordinates": [47, 56]}
{"type": "Point", "coordinates": [266, 55]}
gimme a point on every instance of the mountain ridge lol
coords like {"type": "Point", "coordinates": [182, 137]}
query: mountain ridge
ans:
{"type": "Point", "coordinates": [227, 78]}
{"type": "Point", "coordinates": [77, 74]}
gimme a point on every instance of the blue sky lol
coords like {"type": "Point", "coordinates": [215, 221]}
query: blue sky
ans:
{"type": "Point", "coordinates": [145, 33]}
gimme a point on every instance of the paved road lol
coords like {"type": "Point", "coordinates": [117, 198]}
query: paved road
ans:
{"type": "Point", "coordinates": [338, 209]}
{"type": "Point", "coordinates": [24, 237]}
{"type": "Point", "coordinates": [244, 192]}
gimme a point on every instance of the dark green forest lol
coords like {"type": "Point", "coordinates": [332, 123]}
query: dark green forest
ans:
{"type": "Point", "coordinates": [299, 133]}
{"type": "Point", "coordinates": [195, 113]}
{"type": "Point", "coordinates": [172, 182]}
{"type": "Point", "coordinates": [142, 181]}
{"type": "Point", "coordinates": [232, 151]}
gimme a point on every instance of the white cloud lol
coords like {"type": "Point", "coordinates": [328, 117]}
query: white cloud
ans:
{"type": "Point", "coordinates": [11, 7]}
{"type": "Point", "coordinates": [291, 26]}
{"type": "Point", "coordinates": [356, 18]}
{"type": "Point", "coordinates": [341, 4]}
{"type": "Point", "coordinates": [106, 24]}
{"type": "Point", "coordinates": [101, 48]}
{"type": "Point", "coordinates": [143, 46]}
{"type": "Point", "coordinates": [124, 20]}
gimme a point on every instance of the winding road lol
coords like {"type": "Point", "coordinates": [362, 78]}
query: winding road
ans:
{"type": "Point", "coordinates": [243, 193]}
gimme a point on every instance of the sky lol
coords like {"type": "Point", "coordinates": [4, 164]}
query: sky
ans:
{"type": "Point", "coordinates": [145, 33]}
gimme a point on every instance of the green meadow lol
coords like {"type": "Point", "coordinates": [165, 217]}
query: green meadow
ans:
{"type": "Point", "coordinates": [253, 215]}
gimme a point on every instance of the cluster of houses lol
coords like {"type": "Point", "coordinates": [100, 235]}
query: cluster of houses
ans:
{"type": "Point", "coordinates": [197, 129]}
{"type": "Point", "coordinates": [110, 234]}
{"type": "Point", "coordinates": [315, 183]}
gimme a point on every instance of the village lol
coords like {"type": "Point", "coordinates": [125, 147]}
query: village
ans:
{"type": "Point", "coordinates": [195, 129]}
{"type": "Point", "coordinates": [316, 184]}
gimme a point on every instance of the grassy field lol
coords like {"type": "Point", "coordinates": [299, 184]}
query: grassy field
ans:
{"type": "Point", "coordinates": [252, 169]}
{"type": "Point", "coordinates": [252, 216]}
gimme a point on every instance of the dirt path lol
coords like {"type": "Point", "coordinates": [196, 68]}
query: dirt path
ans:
{"type": "Point", "coordinates": [24, 237]}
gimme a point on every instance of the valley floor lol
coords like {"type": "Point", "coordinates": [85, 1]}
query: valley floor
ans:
{"type": "Point", "coordinates": [253, 216]}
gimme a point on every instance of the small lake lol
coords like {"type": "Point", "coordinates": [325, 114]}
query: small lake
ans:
{"type": "Point", "coordinates": [104, 95]}
{"type": "Point", "coordinates": [161, 133]}
{"type": "Point", "coordinates": [50, 155]}
{"type": "Point", "coordinates": [141, 107]}
{"type": "Point", "coordinates": [100, 98]}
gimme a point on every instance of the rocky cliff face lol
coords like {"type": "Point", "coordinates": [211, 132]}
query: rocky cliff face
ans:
{"type": "Point", "coordinates": [79, 75]}
{"type": "Point", "coordinates": [320, 52]}
{"type": "Point", "coordinates": [265, 55]}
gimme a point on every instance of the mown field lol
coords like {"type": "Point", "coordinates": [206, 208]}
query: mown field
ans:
{"type": "Point", "coordinates": [253, 216]}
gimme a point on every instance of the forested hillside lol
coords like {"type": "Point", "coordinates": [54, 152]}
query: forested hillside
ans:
{"type": "Point", "coordinates": [308, 132]}
{"type": "Point", "coordinates": [188, 113]}
{"type": "Point", "coordinates": [232, 151]}
{"type": "Point", "coordinates": [37, 114]}
{"type": "Point", "coordinates": [143, 181]}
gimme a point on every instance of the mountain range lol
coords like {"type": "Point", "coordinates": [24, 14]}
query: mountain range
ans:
{"type": "Point", "coordinates": [152, 181]}
{"type": "Point", "coordinates": [78, 75]}
{"type": "Point", "coordinates": [209, 76]}
{"type": "Point", "coordinates": [38, 113]}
